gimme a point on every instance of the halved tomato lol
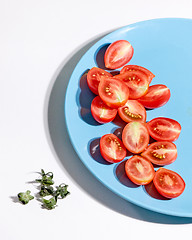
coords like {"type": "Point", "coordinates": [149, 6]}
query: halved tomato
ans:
{"type": "Point", "coordinates": [135, 137]}
{"type": "Point", "coordinates": [132, 111]}
{"type": "Point", "coordinates": [113, 92]}
{"type": "Point", "coordinates": [168, 183]}
{"type": "Point", "coordinates": [136, 68]}
{"type": "Point", "coordinates": [139, 170]}
{"type": "Point", "coordinates": [118, 54]}
{"type": "Point", "coordinates": [137, 83]}
{"type": "Point", "coordinates": [164, 129]}
{"type": "Point", "coordinates": [112, 148]}
{"type": "Point", "coordinates": [93, 78]}
{"type": "Point", "coordinates": [157, 96]}
{"type": "Point", "coordinates": [161, 153]}
{"type": "Point", "coordinates": [101, 112]}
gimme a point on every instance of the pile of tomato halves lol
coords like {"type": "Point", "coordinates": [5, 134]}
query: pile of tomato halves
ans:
{"type": "Point", "coordinates": [128, 94]}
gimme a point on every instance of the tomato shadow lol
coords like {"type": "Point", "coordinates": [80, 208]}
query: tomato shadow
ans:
{"type": "Point", "coordinates": [152, 191]}
{"type": "Point", "coordinates": [94, 150]}
{"type": "Point", "coordinates": [85, 98]}
{"type": "Point", "coordinates": [119, 122]}
{"type": "Point", "coordinates": [122, 177]}
{"type": "Point", "coordinates": [99, 56]}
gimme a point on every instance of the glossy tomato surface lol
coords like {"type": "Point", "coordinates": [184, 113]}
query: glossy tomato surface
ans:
{"type": "Point", "coordinates": [132, 111]}
{"type": "Point", "coordinates": [161, 153]}
{"type": "Point", "coordinates": [135, 137]}
{"type": "Point", "coordinates": [157, 96]}
{"type": "Point", "coordinates": [113, 92]}
{"type": "Point", "coordinates": [118, 54]}
{"type": "Point", "coordinates": [93, 78]}
{"type": "Point", "coordinates": [137, 83]}
{"type": "Point", "coordinates": [136, 68]}
{"type": "Point", "coordinates": [139, 170]}
{"type": "Point", "coordinates": [168, 183]}
{"type": "Point", "coordinates": [164, 129]}
{"type": "Point", "coordinates": [112, 148]}
{"type": "Point", "coordinates": [101, 112]}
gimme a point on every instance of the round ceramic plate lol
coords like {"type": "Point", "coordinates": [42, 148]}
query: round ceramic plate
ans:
{"type": "Point", "coordinates": [164, 46]}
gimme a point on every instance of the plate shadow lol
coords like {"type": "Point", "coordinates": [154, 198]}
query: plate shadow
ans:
{"type": "Point", "coordinates": [62, 149]}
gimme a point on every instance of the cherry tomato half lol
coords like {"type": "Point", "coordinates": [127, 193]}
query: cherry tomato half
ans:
{"type": "Point", "coordinates": [118, 54]}
{"type": "Point", "coordinates": [113, 92]}
{"type": "Point", "coordinates": [139, 170]}
{"type": "Point", "coordinates": [136, 68]}
{"type": "Point", "coordinates": [164, 129]}
{"type": "Point", "coordinates": [157, 96]}
{"type": "Point", "coordinates": [161, 153]}
{"type": "Point", "coordinates": [101, 112]}
{"type": "Point", "coordinates": [132, 111]}
{"type": "Point", "coordinates": [112, 148]}
{"type": "Point", "coordinates": [93, 78]}
{"type": "Point", "coordinates": [135, 137]}
{"type": "Point", "coordinates": [168, 183]}
{"type": "Point", "coordinates": [137, 83]}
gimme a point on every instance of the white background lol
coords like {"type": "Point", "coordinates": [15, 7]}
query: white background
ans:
{"type": "Point", "coordinates": [38, 38]}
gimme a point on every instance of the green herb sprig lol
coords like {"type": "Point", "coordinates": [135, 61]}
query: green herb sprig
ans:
{"type": "Point", "coordinates": [46, 189]}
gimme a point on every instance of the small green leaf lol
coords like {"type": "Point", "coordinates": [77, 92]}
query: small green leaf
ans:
{"type": "Point", "coordinates": [25, 197]}
{"type": "Point", "coordinates": [49, 203]}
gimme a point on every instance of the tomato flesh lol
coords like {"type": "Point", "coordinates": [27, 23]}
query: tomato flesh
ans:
{"type": "Point", "coordinates": [135, 137]}
{"type": "Point", "coordinates": [157, 96]}
{"type": "Point", "coordinates": [113, 92]}
{"type": "Point", "coordinates": [93, 78]}
{"type": "Point", "coordinates": [136, 68]}
{"type": "Point", "coordinates": [112, 148]}
{"type": "Point", "coordinates": [168, 183]}
{"type": "Point", "coordinates": [164, 129]}
{"type": "Point", "coordinates": [137, 83]}
{"type": "Point", "coordinates": [139, 170]}
{"type": "Point", "coordinates": [161, 153]}
{"type": "Point", "coordinates": [132, 111]}
{"type": "Point", "coordinates": [118, 54]}
{"type": "Point", "coordinates": [101, 112]}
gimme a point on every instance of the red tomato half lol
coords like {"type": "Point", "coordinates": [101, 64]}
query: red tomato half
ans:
{"type": "Point", "coordinates": [168, 183]}
{"type": "Point", "coordinates": [93, 78]}
{"type": "Point", "coordinates": [101, 112]}
{"type": "Point", "coordinates": [157, 96]}
{"type": "Point", "coordinates": [112, 148]}
{"type": "Point", "coordinates": [137, 83]}
{"type": "Point", "coordinates": [164, 129]}
{"type": "Point", "coordinates": [135, 137]}
{"type": "Point", "coordinates": [132, 111]}
{"type": "Point", "coordinates": [113, 92]}
{"type": "Point", "coordinates": [135, 68]}
{"type": "Point", "coordinates": [139, 170]}
{"type": "Point", "coordinates": [118, 54]}
{"type": "Point", "coordinates": [161, 153]}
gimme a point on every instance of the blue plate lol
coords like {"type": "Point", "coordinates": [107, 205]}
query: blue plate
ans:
{"type": "Point", "coordinates": [164, 46]}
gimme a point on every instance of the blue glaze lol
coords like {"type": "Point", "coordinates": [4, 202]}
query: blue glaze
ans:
{"type": "Point", "coordinates": [164, 46]}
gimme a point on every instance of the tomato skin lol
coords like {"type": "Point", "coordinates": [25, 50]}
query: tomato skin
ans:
{"type": "Point", "coordinates": [93, 78]}
{"type": "Point", "coordinates": [118, 54]}
{"type": "Point", "coordinates": [137, 83]}
{"type": "Point", "coordinates": [139, 170]}
{"type": "Point", "coordinates": [168, 183]}
{"type": "Point", "coordinates": [164, 129]}
{"type": "Point", "coordinates": [132, 111]}
{"type": "Point", "coordinates": [157, 96]}
{"type": "Point", "coordinates": [161, 153]}
{"type": "Point", "coordinates": [135, 137]}
{"type": "Point", "coordinates": [112, 148]}
{"type": "Point", "coordinates": [113, 92]}
{"type": "Point", "coordinates": [136, 68]}
{"type": "Point", "coordinates": [101, 112]}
